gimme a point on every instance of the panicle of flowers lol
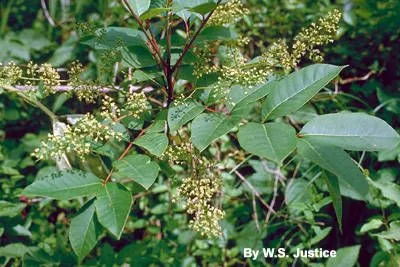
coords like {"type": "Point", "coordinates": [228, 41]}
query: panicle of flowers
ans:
{"type": "Point", "coordinates": [77, 139]}
{"type": "Point", "coordinates": [205, 64]}
{"type": "Point", "coordinates": [109, 109]}
{"type": "Point", "coordinates": [85, 28]}
{"type": "Point", "coordinates": [228, 13]}
{"type": "Point", "coordinates": [87, 91]}
{"type": "Point", "coordinates": [178, 153]}
{"type": "Point", "coordinates": [317, 34]}
{"type": "Point", "coordinates": [9, 73]}
{"type": "Point", "coordinates": [136, 104]}
{"type": "Point", "coordinates": [44, 74]}
{"type": "Point", "coordinates": [200, 191]}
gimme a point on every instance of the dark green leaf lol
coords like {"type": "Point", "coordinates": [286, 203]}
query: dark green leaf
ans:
{"type": "Point", "coordinates": [139, 6]}
{"type": "Point", "coordinates": [8, 209]}
{"type": "Point", "coordinates": [334, 191]}
{"type": "Point", "coordinates": [274, 141]}
{"type": "Point", "coordinates": [84, 230]}
{"type": "Point", "coordinates": [65, 185]}
{"type": "Point", "coordinates": [113, 205]}
{"type": "Point", "coordinates": [338, 162]}
{"type": "Point", "coordinates": [240, 96]}
{"type": "Point", "coordinates": [209, 126]}
{"type": "Point", "coordinates": [155, 143]}
{"type": "Point", "coordinates": [182, 113]}
{"type": "Point", "coordinates": [345, 257]}
{"type": "Point", "coordinates": [352, 131]}
{"type": "Point", "coordinates": [138, 168]}
{"type": "Point", "coordinates": [293, 91]}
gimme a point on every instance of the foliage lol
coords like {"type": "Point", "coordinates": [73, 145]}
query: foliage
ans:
{"type": "Point", "coordinates": [176, 144]}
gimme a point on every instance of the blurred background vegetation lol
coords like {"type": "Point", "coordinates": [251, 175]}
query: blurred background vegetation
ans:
{"type": "Point", "coordinates": [44, 31]}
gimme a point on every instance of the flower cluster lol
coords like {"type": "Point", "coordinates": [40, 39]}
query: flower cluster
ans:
{"type": "Point", "coordinates": [317, 34]}
{"type": "Point", "coordinates": [228, 13]}
{"type": "Point", "coordinates": [9, 73]}
{"type": "Point", "coordinates": [109, 109]}
{"type": "Point", "coordinates": [44, 75]}
{"type": "Point", "coordinates": [179, 153]}
{"type": "Point", "coordinates": [77, 139]}
{"type": "Point", "coordinates": [199, 192]}
{"type": "Point", "coordinates": [87, 91]}
{"type": "Point", "coordinates": [136, 104]}
{"type": "Point", "coordinates": [205, 65]}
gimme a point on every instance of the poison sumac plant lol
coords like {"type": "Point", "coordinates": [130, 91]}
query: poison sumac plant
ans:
{"type": "Point", "coordinates": [169, 86]}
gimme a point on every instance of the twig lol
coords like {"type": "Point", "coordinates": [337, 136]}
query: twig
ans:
{"type": "Point", "coordinates": [191, 42]}
{"type": "Point", "coordinates": [273, 197]}
{"type": "Point", "coordinates": [123, 155]}
{"type": "Point", "coordinates": [255, 212]}
{"type": "Point", "coordinates": [32, 101]}
{"type": "Point", "coordinates": [356, 79]}
{"type": "Point", "coordinates": [255, 192]}
{"type": "Point", "coordinates": [47, 14]}
{"type": "Point", "coordinates": [150, 37]}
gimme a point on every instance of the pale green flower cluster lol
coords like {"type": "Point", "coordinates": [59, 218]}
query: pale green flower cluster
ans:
{"type": "Point", "coordinates": [87, 91]}
{"type": "Point", "coordinates": [178, 153]}
{"type": "Point", "coordinates": [306, 43]}
{"type": "Point", "coordinates": [77, 139]}
{"type": "Point", "coordinates": [317, 34]}
{"type": "Point", "coordinates": [9, 73]}
{"type": "Point", "coordinates": [109, 109]}
{"type": "Point", "coordinates": [137, 104]}
{"type": "Point", "coordinates": [43, 74]}
{"type": "Point", "coordinates": [199, 193]}
{"type": "Point", "coordinates": [228, 13]}
{"type": "Point", "coordinates": [238, 70]}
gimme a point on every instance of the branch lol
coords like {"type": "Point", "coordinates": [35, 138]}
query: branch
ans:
{"type": "Point", "coordinates": [150, 37]}
{"type": "Point", "coordinates": [32, 101]}
{"type": "Point", "coordinates": [255, 192]}
{"type": "Point", "coordinates": [47, 14]}
{"type": "Point", "coordinates": [356, 79]}
{"type": "Point", "coordinates": [191, 42]}
{"type": "Point", "coordinates": [66, 88]}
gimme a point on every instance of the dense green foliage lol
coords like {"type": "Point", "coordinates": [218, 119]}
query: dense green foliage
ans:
{"type": "Point", "coordinates": [179, 132]}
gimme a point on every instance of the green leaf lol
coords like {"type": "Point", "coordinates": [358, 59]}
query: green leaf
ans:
{"type": "Point", "coordinates": [297, 192]}
{"type": "Point", "coordinates": [204, 8]}
{"type": "Point", "coordinates": [345, 257]}
{"type": "Point", "coordinates": [388, 189]}
{"type": "Point", "coordinates": [393, 233]}
{"type": "Point", "coordinates": [84, 230]}
{"type": "Point", "coordinates": [209, 126]}
{"type": "Point", "coordinates": [153, 12]}
{"type": "Point", "coordinates": [274, 141]}
{"type": "Point", "coordinates": [157, 127]}
{"type": "Point", "coordinates": [138, 168]}
{"type": "Point", "coordinates": [139, 6]}
{"type": "Point", "coordinates": [155, 143]}
{"type": "Point", "coordinates": [240, 96]}
{"type": "Point", "coordinates": [179, 115]}
{"type": "Point", "coordinates": [14, 250]}
{"type": "Point", "coordinates": [338, 162]}
{"type": "Point", "coordinates": [65, 185]}
{"type": "Point", "coordinates": [352, 131]}
{"type": "Point", "coordinates": [113, 37]}
{"type": "Point", "coordinates": [217, 33]}
{"type": "Point", "coordinates": [137, 57]}
{"type": "Point", "coordinates": [113, 205]}
{"type": "Point", "coordinates": [8, 209]}
{"type": "Point", "coordinates": [332, 183]}
{"type": "Point", "coordinates": [371, 225]}
{"type": "Point", "coordinates": [293, 91]}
